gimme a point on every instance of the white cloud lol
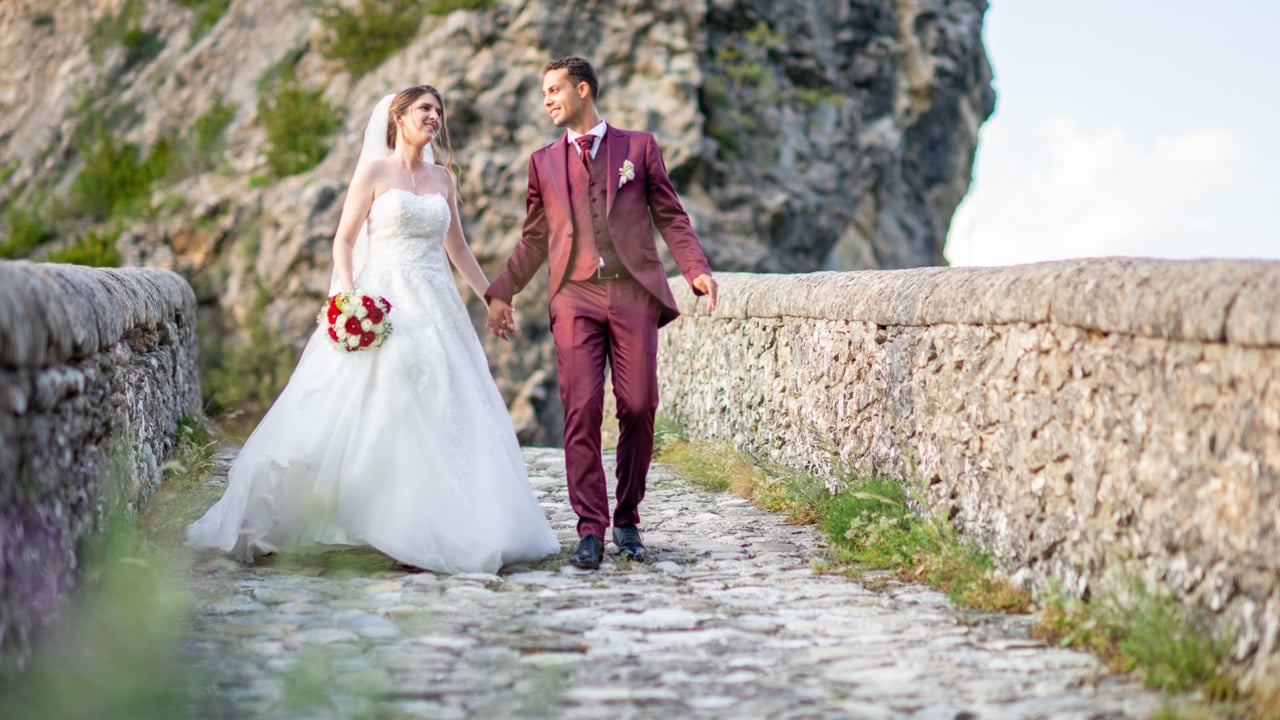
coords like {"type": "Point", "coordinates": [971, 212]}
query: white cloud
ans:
{"type": "Point", "coordinates": [1057, 191]}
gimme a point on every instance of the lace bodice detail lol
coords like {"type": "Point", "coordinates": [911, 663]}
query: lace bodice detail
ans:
{"type": "Point", "coordinates": [408, 230]}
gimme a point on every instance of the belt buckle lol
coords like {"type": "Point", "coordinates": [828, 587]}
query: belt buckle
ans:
{"type": "Point", "coordinates": [601, 276]}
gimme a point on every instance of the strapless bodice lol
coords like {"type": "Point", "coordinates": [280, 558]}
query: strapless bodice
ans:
{"type": "Point", "coordinates": [407, 230]}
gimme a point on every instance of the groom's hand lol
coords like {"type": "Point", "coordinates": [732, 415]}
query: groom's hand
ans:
{"type": "Point", "coordinates": [501, 320]}
{"type": "Point", "coordinates": [706, 285]}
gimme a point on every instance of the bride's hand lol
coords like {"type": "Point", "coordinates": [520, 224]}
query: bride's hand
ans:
{"type": "Point", "coordinates": [501, 320]}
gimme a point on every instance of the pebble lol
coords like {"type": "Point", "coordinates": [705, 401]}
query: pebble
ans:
{"type": "Point", "coordinates": [727, 620]}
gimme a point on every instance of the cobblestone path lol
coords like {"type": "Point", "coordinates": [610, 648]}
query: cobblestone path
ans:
{"type": "Point", "coordinates": [727, 620]}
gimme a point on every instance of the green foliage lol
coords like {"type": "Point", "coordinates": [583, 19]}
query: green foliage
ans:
{"type": "Point", "coordinates": [110, 28]}
{"type": "Point", "coordinates": [140, 45]}
{"type": "Point", "coordinates": [27, 229]}
{"type": "Point", "coordinates": [124, 28]}
{"type": "Point", "coordinates": [870, 524]}
{"type": "Point", "coordinates": [116, 178]}
{"type": "Point", "coordinates": [203, 141]}
{"type": "Point", "coordinates": [208, 13]}
{"type": "Point", "coordinates": [739, 77]}
{"type": "Point", "coordinates": [96, 248]}
{"type": "Point", "coordinates": [1138, 628]}
{"type": "Point", "coordinates": [208, 129]}
{"type": "Point", "coordinates": [184, 496]}
{"type": "Point", "coordinates": [239, 380]}
{"type": "Point", "coordinates": [362, 38]}
{"type": "Point", "coordinates": [297, 122]}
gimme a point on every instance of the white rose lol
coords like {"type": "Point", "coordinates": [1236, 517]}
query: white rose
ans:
{"type": "Point", "coordinates": [361, 311]}
{"type": "Point", "coordinates": [353, 341]}
{"type": "Point", "coordinates": [342, 332]}
{"type": "Point", "coordinates": [366, 325]}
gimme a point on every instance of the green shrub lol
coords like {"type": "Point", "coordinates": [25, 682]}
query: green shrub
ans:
{"type": "Point", "coordinates": [116, 177]}
{"type": "Point", "coordinates": [364, 37]}
{"type": "Point", "coordinates": [209, 127]}
{"type": "Point", "coordinates": [110, 29]}
{"type": "Point", "coordinates": [95, 248]}
{"type": "Point", "coordinates": [203, 141]}
{"type": "Point", "coordinates": [297, 122]}
{"type": "Point", "coordinates": [208, 13]}
{"type": "Point", "coordinates": [140, 45]}
{"type": "Point", "coordinates": [27, 229]}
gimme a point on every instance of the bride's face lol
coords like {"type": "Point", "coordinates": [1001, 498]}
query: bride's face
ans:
{"type": "Point", "coordinates": [421, 122]}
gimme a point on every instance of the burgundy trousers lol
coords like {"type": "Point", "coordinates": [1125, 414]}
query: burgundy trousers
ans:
{"type": "Point", "coordinates": [593, 322]}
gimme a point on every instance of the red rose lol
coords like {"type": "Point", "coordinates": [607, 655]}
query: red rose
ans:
{"type": "Point", "coordinates": [353, 326]}
{"type": "Point", "coordinates": [386, 305]}
{"type": "Point", "coordinates": [368, 302]}
{"type": "Point", "coordinates": [333, 334]}
{"type": "Point", "coordinates": [367, 339]}
{"type": "Point", "coordinates": [375, 315]}
{"type": "Point", "coordinates": [334, 314]}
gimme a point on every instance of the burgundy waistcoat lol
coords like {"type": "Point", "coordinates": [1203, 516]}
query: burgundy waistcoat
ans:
{"type": "Point", "coordinates": [588, 195]}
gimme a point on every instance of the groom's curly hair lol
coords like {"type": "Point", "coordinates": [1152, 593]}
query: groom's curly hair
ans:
{"type": "Point", "coordinates": [579, 71]}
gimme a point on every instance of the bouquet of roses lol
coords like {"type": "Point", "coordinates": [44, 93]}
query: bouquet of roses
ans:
{"type": "Point", "coordinates": [356, 320]}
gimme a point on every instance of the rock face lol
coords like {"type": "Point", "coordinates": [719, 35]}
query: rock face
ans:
{"type": "Point", "coordinates": [801, 136]}
{"type": "Point", "coordinates": [1085, 420]}
{"type": "Point", "coordinates": [96, 369]}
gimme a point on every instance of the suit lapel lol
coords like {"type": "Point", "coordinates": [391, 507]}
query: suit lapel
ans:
{"type": "Point", "coordinates": [616, 144]}
{"type": "Point", "coordinates": [557, 153]}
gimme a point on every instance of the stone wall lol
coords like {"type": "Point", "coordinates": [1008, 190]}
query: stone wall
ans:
{"type": "Point", "coordinates": [1082, 420]}
{"type": "Point", "coordinates": [96, 369]}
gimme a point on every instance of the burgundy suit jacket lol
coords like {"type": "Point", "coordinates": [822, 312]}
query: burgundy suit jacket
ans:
{"type": "Point", "coordinates": [643, 203]}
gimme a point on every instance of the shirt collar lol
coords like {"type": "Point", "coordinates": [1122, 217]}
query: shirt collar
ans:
{"type": "Point", "coordinates": [598, 131]}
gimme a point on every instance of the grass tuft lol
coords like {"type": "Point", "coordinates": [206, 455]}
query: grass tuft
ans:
{"type": "Point", "coordinates": [1137, 628]}
{"type": "Point", "coordinates": [870, 524]}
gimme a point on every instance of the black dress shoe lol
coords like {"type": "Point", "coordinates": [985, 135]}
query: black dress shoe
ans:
{"type": "Point", "coordinates": [627, 538]}
{"type": "Point", "coordinates": [589, 553]}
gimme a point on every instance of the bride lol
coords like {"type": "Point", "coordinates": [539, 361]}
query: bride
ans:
{"type": "Point", "coordinates": [407, 447]}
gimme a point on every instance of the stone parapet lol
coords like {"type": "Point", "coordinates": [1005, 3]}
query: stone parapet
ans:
{"type": "Point", "coordinates": [96, 368]}
{"type": "Point", "coordinates": [1080, 420]}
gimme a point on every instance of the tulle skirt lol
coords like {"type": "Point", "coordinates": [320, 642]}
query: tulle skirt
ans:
{"type": "Point", "coordinates": [407, 448]}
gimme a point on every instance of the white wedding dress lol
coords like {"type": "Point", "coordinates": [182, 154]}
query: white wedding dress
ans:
{"type": "Point", "coordinates": [407, 448]}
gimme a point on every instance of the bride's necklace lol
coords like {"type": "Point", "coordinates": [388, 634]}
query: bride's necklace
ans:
{"type": "Point", "coordinates": [413, 178]}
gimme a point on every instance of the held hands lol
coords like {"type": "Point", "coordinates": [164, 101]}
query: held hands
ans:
{"type": "Point", "coordinates": [501, 320]}
{"type": "Point", "coordinates": [704, 284]}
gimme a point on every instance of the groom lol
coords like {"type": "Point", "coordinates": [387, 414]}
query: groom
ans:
{"type": "Point", "coordinates": [595, 196]}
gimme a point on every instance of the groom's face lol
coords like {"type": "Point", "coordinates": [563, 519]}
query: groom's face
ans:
{"type": "Point", "coordinates": [565, 103]}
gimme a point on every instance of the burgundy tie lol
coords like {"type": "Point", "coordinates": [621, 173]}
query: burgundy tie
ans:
{"type": "Point", "coordinates": [584, 144]}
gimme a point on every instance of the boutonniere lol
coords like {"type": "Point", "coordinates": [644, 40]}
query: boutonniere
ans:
{"type": "Point", "coordinates": [626, 173]}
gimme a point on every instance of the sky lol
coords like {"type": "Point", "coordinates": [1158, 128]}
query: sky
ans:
{"type": "Point", "coordinates": [1127, 127]}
